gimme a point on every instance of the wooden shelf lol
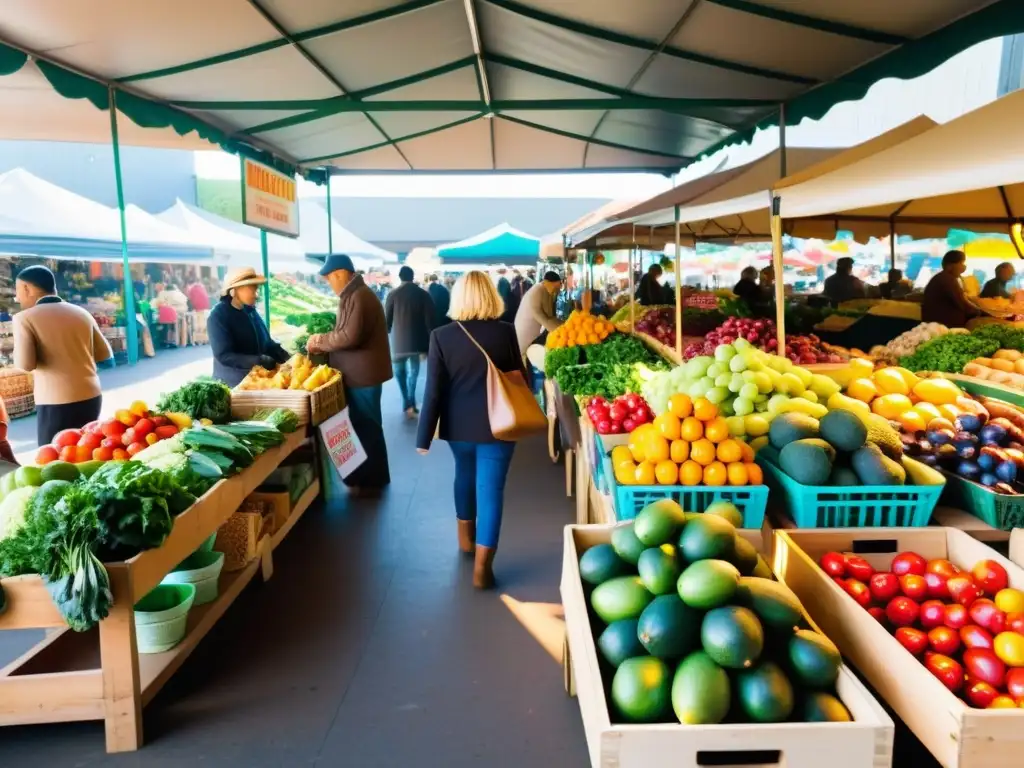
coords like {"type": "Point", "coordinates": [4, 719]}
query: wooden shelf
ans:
{"type": "Point", "coordinates": [301, 505]}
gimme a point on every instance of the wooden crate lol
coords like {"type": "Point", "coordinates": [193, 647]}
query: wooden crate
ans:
{"type": "Point", "coordinates": [956, 734]}
{"type": "Point", "coordinates": [311, 407]}
{"type": "Point", "coordinates": [864, 743]}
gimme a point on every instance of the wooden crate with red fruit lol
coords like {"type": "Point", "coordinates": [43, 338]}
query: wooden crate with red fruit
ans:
{"type": "Point", "coordinates": [933, 619]}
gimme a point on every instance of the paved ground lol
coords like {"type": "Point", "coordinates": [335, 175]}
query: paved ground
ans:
{"type": "Point", "coordinates": [369, 648]}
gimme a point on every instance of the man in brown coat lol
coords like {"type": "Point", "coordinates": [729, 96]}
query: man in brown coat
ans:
{"type": "Point", "coordinates": [358, 347]}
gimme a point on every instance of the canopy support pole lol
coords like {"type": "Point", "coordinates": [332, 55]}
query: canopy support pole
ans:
{"type": "Point", "coordinates": [679, 291]}
{"type": "Point", "coordinates": [632, 290]}
{"type": "Point", "coordinates": [330, 221]}
{"type": "Point", "coordinates": [892, 243]}
{"type": "Point", "coordinates": [131, 324]}
{"type": "Point", "coordinates": [782, 141]}
{"type": "Point", "coordinates": [266, 273]}
{"type": "Point", "coordinates": [780, 288]}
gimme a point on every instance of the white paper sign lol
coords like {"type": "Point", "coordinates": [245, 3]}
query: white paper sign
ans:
{"type": "Point", "coordinates": [342, 443]}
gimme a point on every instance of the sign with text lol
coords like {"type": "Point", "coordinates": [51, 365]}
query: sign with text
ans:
{"type": "Point", "coordinates": [342, 443]}
{"type": "Point", "coordinates": [269, 199]}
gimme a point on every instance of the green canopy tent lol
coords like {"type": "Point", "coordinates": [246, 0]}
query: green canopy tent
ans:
{"type": "Point", "coordinates": [502, 244]}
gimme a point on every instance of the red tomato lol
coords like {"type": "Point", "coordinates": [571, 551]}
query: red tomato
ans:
{"type": "Point", "coordinates": [67, 437]}
{"type": "Point", "coordinates": [641, 416]}
{"type": "Point", "coordinates": [90, 440]}
{"type": "Point", "coordinates": [113, 428]}
{"type": "Point", "coordinates": [956, 616]}
{"type": "Point", "coordinates": [92, 426]}
{"type": "Point", "coordinates": [990, 576]}
{"type": "Point", "coordinates": [47, 454]}
{"type": "Point", "coordinates": [914, 640]}
{"type": "Point", "coordinates": [933, 614]}
{"type": "Point", "coordinates": [884, 586]}
{"type": "Point", "coordinates": [963, 590]}
{"type": "Point", "coordinates": [944, 640]}
{"type": "Point", "coordinates": [979, 693]}
{"type": "Point", "coordinates": [168, 430]}
{"type": "Point", "coordinates": [949, 672]}
{"type": "Point", "coordinates": [128, 437]}
{"type": "Point", "coordinates": [909, 562]}
{"type": "Point", "coordinates": [1015, 682]}
{"type": "Point", "coordinates": [983, 664]}
{"type": "Point", "coordinates": [82, 453]}
{"type": "Point", "coordinates": [626, 425]}
{"type": "Point", "coordinates": [834, 564]}
{"type": "Point", "coordinates": [902, 611]}
{"type": "Point", "coordinates": [859, 591]}
{"type": "Point", "coordinates": [914, 586]}
{"type": "Point", "coordinates": [878, 613]}
{"type": "Point", "coordinates": [111, 442]}
{"type": "Point", "coordinates": [143, 427]}
{"type": "Point", "coordinates": [68, 453]}
{"type": "Point", "coordinates": [937, 585]}
{"type": "Point", "coordinates": [159, 421]}
{"type": "Point", "coordinates": [859, 568]}
{"type": "Point", "coordinates": [941, 568]}
{"type": "Point", "coordinates": [618, 412]}
{"type": "Point", "coordinates": [1015, 622]}
{"type": "Point", "coordinates": [984, 613]}
{"type": "Point", "coordinates": [103, 453]}
{"type": "Point", "coordinates": [135, 448]}
{"type": "Point", "coordinates": [120, 454]}
{"type": "Point", "coordinates": [973, 636]}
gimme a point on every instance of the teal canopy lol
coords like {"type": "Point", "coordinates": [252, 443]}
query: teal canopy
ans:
{"type": "Point", "coordinates": [502, 244]}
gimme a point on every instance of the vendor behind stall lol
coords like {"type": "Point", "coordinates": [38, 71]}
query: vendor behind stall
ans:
{"type": "Point", "coordinates": [650, 293]}
{"type": "Point", "coordinates": [843, 285]}
{"type": "Point", "coordinates": [895, 287]}
{"type": "Point", "coordinates": [997, 287]}
{"type": "Point", "coordinates": [944, 299]}
{"type": "Point", "coordinates": [747, 289]}
{"type": "Point", "coordinates": [238, 336]}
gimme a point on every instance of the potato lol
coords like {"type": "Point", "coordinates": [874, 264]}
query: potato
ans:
{"type": "Point", "coordinates": [1002, 365]}
{"type": "Point", "coordinates": [977, 371]}
{"type": "Point", "coordinates": [1007, 354]}
{"type": "Point", "coordinates": [1018, 366]}
{"type": "Point", "coordinates": [985, 361]}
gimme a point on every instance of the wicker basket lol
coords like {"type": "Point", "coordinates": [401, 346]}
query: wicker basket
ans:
{"type": "Point", "coordinates": [239, 537]}
{"type": "Point", "coordinates": [311, 407]}
{"type": "Point", "coordinates": [15, 382]}
{"type": "Point", "coordinates": [20, 406]}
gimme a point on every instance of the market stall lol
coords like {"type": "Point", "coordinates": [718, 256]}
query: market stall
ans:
{"type": "Point", "coordinates": [502, 244]}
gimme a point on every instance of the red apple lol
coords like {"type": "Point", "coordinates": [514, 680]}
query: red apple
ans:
{"type": "Point", "coordinates": [956, 616]}
{"type": "Point", "coordinates": [941, 567]}
{"type": "Point", "coordinates": [949, 672]}
{"type": "Point", "coordinates": [859, 591]}
{"type": "Point", "coordinates": [902, 611]}
{"type": "Point", "coordinates": [979, 693]}
{"type": "Point", "coordinates": [914, 640]}
{"type": "Point", "coordinates": [944, 640]}
{"type": "Point", "coordinates": [984, 613]}
{"type": "Point", "coordinates": [834, 564]}
{"type": "Point", "coordinates": [914, 586]}
{"type": "Point", "coordinates": [985, 665]}
{"type": "Point", "coordinates": [1015, 622]}
{"type": "Point", "coordinates": [884, 586]}
{"type": "Point", "coordinates": [878, 613]}
{"type": "Point", "coordinates": [859, 568]}
{"type": "Point", "coordinates": [963, 590]}
{"type": "Point", "coordinates": [937, 585]}
{"type": "Point", "coordinates": [909, 562]}
{"type": "Point", "coordinates": [973, 636]}
{"type": "Point", "coordinates": [1015, 683]}
{"type": "Point", "coordinates": [990, 576]}
{"type": "Point", "coordinates": [933, 614]}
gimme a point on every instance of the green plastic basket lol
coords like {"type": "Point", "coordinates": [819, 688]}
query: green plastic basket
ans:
{"type": "Point", "coordinates": [997, 509]}
{"type": "Point", "coordinates": [868, 506]}
{"type": "Point", "coordinates": [751, 500]}
{"type": "Point", "coordinates": [980, 388]}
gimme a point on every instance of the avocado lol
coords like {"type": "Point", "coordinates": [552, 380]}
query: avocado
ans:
{"type": "Point", "coordinates": [701, 693]}
{"type": "Point", "coordinates": [60, 470]}
{"type": "Point", "coordinates": [659, 569]}
{"type": "Point", "coordinates": [28, 477]}
{"type": "Point", "coordinates": [668, 629]}
{"type": "Point", "coordinates": [659, 522]}
{"type": "Point", "coordinates": [88, 468]}
{"type": "Point", "coordinates": [809, 462]}
{"type": "Point", "coordinates": [600, 563]}
{"type": "Point", "coordinates": [728, 510]}
{"type": "Point", "coordinates": [843, 477]}
{"type": "Point", "coordinates": [619, 642]}
{"type": "Point", "coordinates": [764, 693]}
{"type": "Point", "coordinates": [790, 427]}
{"type": "Point", "coordinates": [732, 636]}
{"type": "Point", "coordinates": [708, 584]}
{"type": "Point", "coordinates": [744, 556]}
{"type": "Point", "coordinates": [873, 467]}
{"type": "Point", "coordinates": [882, 434]}
{"type": "Point", "coordinates": [761, 570]}
{"type": "Point", "coordinates": [641, 689]}
{"type": "Point", "coordinates": [844, 430]}
{"type": "Point", "coordinates": [626, 544]}
{"type": "Point", "coordinates": [774, 603]}
{"type": "Point", "coordinates": [814, 659]}
{"type": "Point", "coordinates": [623, 597]}
{"type": "Point", "coordinates": [707, 537]}
{"type": "Point", "coordinates": [824, 708]}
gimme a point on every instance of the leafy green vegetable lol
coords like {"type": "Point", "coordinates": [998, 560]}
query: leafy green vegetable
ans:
{"type": "Point", "coordinates": [556, 359]}
{"type": "Point", "coordinates": [211, 439]}
{"type": "Point", "coordinates": [607, 381]}
{"type": "Point", "coordinates": [204, 398]}
{"type": "Point", "coordinates": [257, 436]}
{"type": "Point", "coordinates": [82, 590]}
{"type": "Point", "coordinates": [949, 353]}
{"type": "Point", "coordinates": [13, 510]}
{"type": "Point", "coordinates": [168, 447]}
{"type": "Point", "coordinates": [283, 419]}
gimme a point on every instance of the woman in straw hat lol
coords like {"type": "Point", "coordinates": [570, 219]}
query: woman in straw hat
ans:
{"type": "Point", "coordinates": [238, 336]}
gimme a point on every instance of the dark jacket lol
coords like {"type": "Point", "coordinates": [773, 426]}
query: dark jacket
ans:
{"type": "Point", "coordinates": [456, 391]}
{"type": "Point", "coordinates": [649, 293]}
{"type": "Point", "coordinates": [995, 289]}
{"type": "Point", "coordinates": [843, 287]}
{"type": "Point", "coordinates": [748, 291]}
{"type": "Point", "coordinates": [409, 311]}
{"type": "Point", "coordinates": [358, 345]}
{"type": "Point", "coordinates": [238, 337]}
{"type": "Point", "coordinates": [944, 302]}
{"type": "Point", "coordinates": [442, 300]}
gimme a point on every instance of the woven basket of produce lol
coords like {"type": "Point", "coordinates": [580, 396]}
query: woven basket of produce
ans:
{"type": "Point", "coordinates": [314, 393]}
{"type": "Point", "coordinates": [20, 406]}
{"type": "Point", "coordinates": [239, 537]}
{"type": "Point", "coordinates": [15, 382]}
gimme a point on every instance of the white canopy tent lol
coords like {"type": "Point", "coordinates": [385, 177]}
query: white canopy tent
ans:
{"type": "Point", "coordinates": [313, 223]}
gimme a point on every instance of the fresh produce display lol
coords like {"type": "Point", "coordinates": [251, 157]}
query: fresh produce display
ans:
{"type": "Point", "coordinates": [952, 352]}
{"type": "Point", "coordinates": [314, 322]}
{"type": "Point", "coordinates": [580, 329]}
{"type": "Point", "coordinates": [689, 444]}
{"type": "Point", "coordinates": [760, 333]}
{"type": "Point", "coordinates": [1006, 366]}
{"type": "Point", "coordinates": [624, 414]}
{"type": "Point", "coordinates": [623, 314]}
{"type": "Point", "coordinates": [610, 369]}
{"type": "Point", "coordinates": [298, 373]}
{"type": "Point", "coordinates": [660, 323]}
{"type": "Point", "coordinates": [965, 626]}
{"type": "Point", "coordinates": [907, 342]}
{"type": "Point", "coordinates": [203, 398]}
{"type": "Point", "coordinates": [691, 627]}
{"type": "Point", "coordinates": [289, 298]}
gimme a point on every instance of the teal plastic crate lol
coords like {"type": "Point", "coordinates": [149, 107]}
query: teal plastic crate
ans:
{"type": "Point", "coordinates": [997, 509]}
{"type": "Point", "coordinates": [870, 506]}
{"type": "Point", "coordinates": [751, 500]}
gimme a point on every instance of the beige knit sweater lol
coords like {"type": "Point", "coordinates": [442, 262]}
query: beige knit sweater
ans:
{"type": "Point", "coordinates": [61, 343]}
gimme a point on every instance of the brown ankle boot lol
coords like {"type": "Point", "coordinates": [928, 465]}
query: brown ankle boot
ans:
{"type": "Point", "coordinates": [467, 536]}
{"type": "Point", "coordinates": [483, 576]}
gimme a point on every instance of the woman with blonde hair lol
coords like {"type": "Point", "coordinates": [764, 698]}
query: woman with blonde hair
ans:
{"type": "Point", "coordinates": [455, 406]}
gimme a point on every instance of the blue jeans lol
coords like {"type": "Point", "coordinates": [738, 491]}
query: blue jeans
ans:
{"type": "Point", "coordinates": [407, 372]}
{"type": "Point", "coordinates": [480, 472]}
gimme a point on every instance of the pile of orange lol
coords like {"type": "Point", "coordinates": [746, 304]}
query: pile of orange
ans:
{"type": "Point", "coordinates": [579, 330]}
{"type": "Point", "coordinates": [689, 444]}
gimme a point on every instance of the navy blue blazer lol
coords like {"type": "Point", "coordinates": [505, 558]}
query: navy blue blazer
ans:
{"type": "Point", "coordinates": [456, 390]}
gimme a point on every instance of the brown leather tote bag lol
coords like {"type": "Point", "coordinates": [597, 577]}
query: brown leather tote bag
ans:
{"type": "Point", "coordinates": [512, 409]}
